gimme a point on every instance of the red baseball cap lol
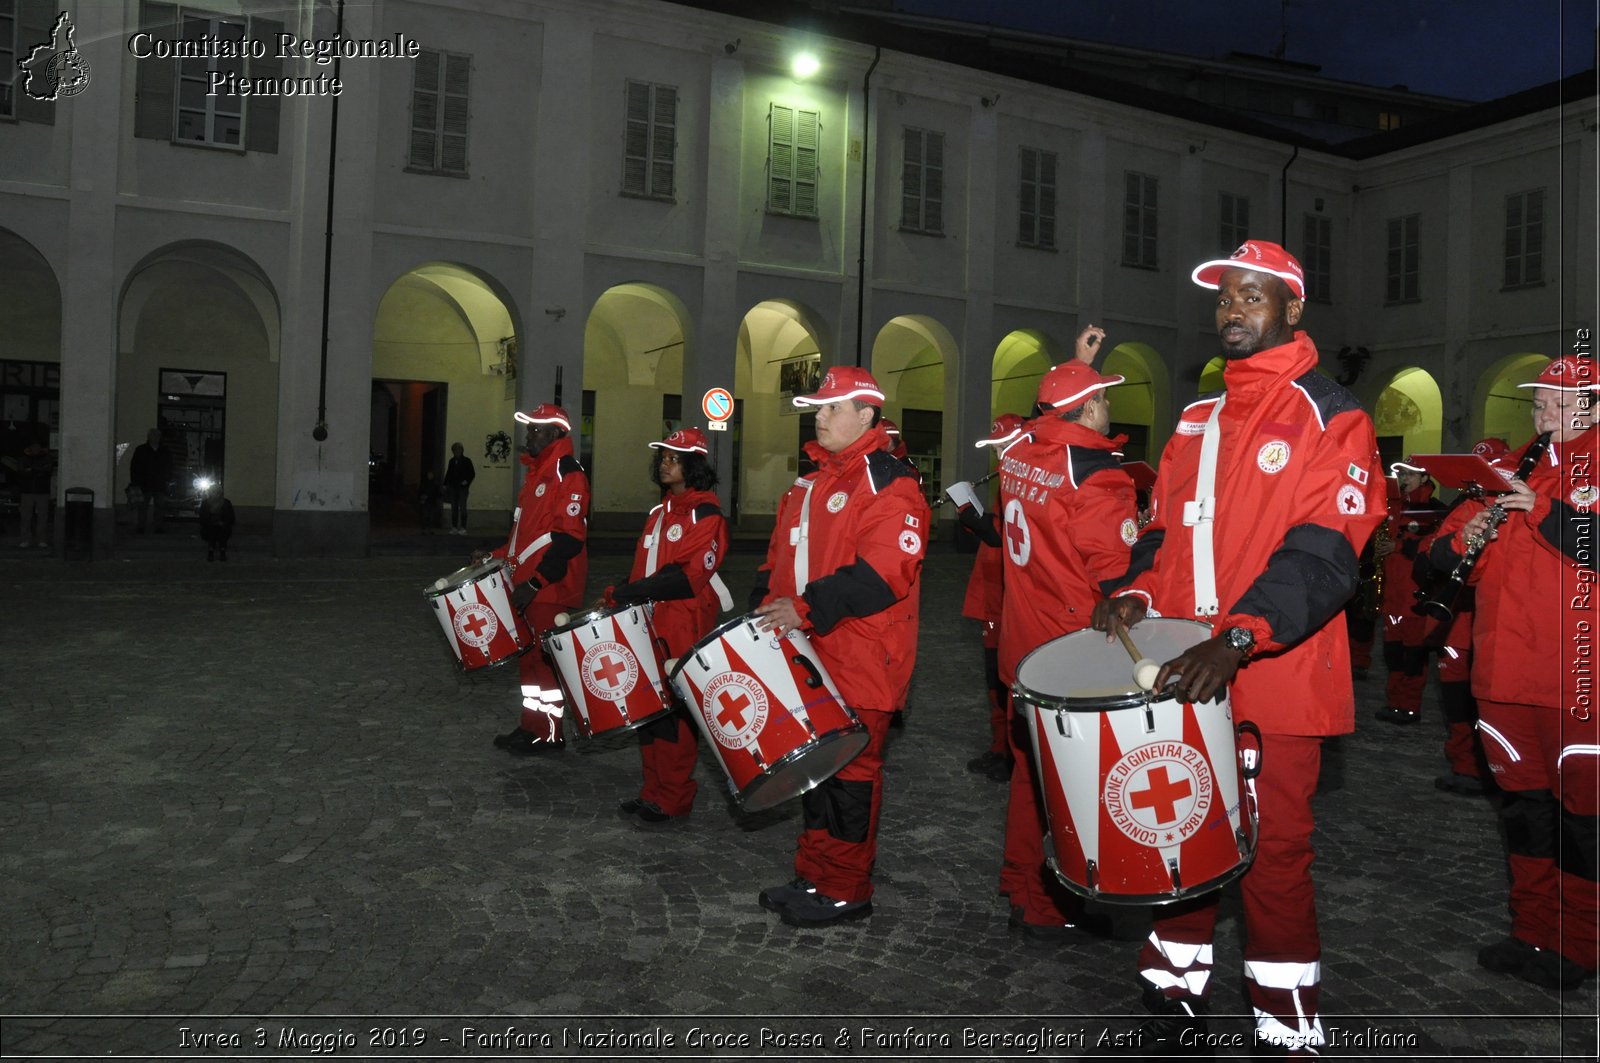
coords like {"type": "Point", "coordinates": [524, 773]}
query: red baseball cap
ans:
{"type": "Point", "coordinates": [844, 382]}
{"type": "Point", "coordinates": [1492, 450]}
{"type": "Point", "coordinates": [889, 426]}
{"type": "Point", "coordinates": [686, 440]}
{"type": "Point", "coordinates": [1409, 465]}
{"type": "Point", "coordinates": [1005, 428]}
{"type": "Point", "coordinates": [1572, 373]}
{"type": "Point", "coordinates": [1068, 385]}
{"type": "Point", "coordinates": [1258, 255]}
{"type": "Point", "coordinates": [545, 413]}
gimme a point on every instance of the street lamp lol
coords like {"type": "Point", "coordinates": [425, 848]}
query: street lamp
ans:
{"type": "Point", "coordinates": [804, 65]}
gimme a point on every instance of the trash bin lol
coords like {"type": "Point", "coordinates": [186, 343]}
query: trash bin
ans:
{"type": "Point", "coordinates": [77, 540]}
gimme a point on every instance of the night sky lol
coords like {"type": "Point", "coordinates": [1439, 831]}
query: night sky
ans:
{"type": "Point", "coordinates": [1468, 49]}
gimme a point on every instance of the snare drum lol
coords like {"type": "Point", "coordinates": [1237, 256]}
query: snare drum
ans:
{"type": "Point", "coordinates": [473, 605]}
{"type": "Point", "coordinates": [609, 662]}
{"type": "Point", "coordinates": [1147, 796]}
{"type": "Point", "coordinates": [769, 711]}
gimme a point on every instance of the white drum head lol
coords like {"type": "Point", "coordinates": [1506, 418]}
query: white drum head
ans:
{"type": "Point", "coordinates": [1083, 670]}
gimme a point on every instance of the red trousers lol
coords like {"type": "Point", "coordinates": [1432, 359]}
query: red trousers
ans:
{"type": "Point", "coordinates": [840, 839]}
{"type": "Point", "coordinates": [668, 748]}
{"type": "Point", "coordinates": [1547, 763]}
{"type": "Point", "coordinates": [1031, 885]}
{"type": "Point", "coordinates": [1282, 950]}
{"type": "Point", "coordinates": [1408, 674]}
{"type": "Point", "coordinates": [543, 702]}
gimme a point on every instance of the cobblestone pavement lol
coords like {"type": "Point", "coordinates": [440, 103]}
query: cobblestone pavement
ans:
{"type": "Point", "coordinates": [257, 801]}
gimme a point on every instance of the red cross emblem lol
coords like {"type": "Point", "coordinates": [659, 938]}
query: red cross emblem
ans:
{"type": "Point", "coordinates": [610, 670]}
{"type": "Point", "coordinates": [1162, 794]}
{"type": "Point", "coordinates": [1018, 541]}
{"type": "Point", "coordinates": [732, 714]}
{"type": "Point", "coordinates": [476, 625]}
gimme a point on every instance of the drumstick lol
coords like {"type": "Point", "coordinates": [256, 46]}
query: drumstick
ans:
{"type": "Point", "coordinates": [1145, 670]}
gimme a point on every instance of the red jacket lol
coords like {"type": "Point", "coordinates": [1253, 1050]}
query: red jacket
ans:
{"type": "Point", "coordinates": [1069, 518]}
{"type": "Point", "coordinates": [866, 535]}
{"type": "Point", "coordinates": [1401, 620]}
{"type": "Point", "coordinates": [550, 527]}
{"type": "Point", "coordinates": [1535, 620]}
{"type": "Point", "coordinates": [684, 542]}
{"type": "Point", "coordinates": [1299, 490]}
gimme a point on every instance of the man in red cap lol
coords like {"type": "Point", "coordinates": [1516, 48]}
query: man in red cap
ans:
{"type": "Point", "coordinates": [844, 565]}
{"type": "Point", "coordinates": [550, 564]}
{"type": "Point", "coordinates": [1263, 547]}
{"type": "Point", "coordinates": [984, 597]}
{"type": "Point", "coordinates": [1537, 616]}
{"type": "Point", "coordinates": [1069, 517]}
{"type": "Point", "coordinates": [675, 566]}
{"type": "Point", "coordinates": [1412, 518]}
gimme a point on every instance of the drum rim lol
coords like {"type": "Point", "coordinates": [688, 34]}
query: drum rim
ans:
{"type": "Point", "coordinates": [707, 639]}
{"type": "Point", "coordinates": [467, 573]}
{"type": "Point", "coordinates": [665, 710]}
{"type": "Point", "coordinates": [1157, 899]}
{"type": "Point", "coordinates": [753, 788]}
{"type": "Point", "coordinates": [1130, 699]}
{"type": "Point", "coordinates": [577, 620]}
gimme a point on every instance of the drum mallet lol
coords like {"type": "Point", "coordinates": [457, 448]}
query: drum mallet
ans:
{"type": "Point", "coordinates": [1145, 670]}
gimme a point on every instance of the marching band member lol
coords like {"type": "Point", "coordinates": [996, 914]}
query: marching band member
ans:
{"type": "Point", "coordinates": [1532, 675]}
{"type": "Point", "coordinates": [844, 565]}
{"type": "Point", "coordinates": [550, 563]}
{"type": "Point", "coordinates": [983, 599]}
{"type": "Point", "coordinates": [675, 566]}
{"type": "Point", "coordinates": [1262, 543]}
{"type": "Point", "coordinates": [1069, 517]}
{"type": "Point", "coordinates": [1404, 653]}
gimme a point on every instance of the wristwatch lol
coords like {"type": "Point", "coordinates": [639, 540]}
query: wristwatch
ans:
{"type": "Point", "coordinates": [1239, 638]}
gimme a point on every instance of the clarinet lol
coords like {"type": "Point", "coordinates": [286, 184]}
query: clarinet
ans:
{"type": "Point", "coordinates": [1442, 605]}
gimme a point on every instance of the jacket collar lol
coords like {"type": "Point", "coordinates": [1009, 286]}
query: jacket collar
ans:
{"type": "Point", "coordinates": [874, 438]}
{"type": "Point", "coordinates": [1276, 365]}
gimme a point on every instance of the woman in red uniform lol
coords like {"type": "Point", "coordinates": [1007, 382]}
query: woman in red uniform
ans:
{"type": "Point", "coordinates": [675, 565]}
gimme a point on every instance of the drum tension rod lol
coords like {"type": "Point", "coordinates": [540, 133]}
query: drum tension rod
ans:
{"type": "Point", "coordinates": [1172, 869]}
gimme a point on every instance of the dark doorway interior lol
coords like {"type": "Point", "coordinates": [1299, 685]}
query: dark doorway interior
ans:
{"type": "Point", "coordinates": [406, 453]}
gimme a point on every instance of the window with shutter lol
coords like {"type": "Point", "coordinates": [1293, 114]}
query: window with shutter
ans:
{"type": "Point", "coordinates": [203, 117]}
{"type": "Point", "coordinates": [922, 181]}
{"type": "Point", "coordinates": [793, 138]}
{"type": "Point", "coordinates": [650, 140]}
{"type": "Point", "coordinates": [1233, 213]}
{"type": "Point", "coordinates": [1036, 199]}
{"type": "Point", "coordinates": [440, 113]}
{"type": "Point", "coordinates": [1316, 257]}
{"type": "Point", "coordinates": [1401, 260]}
{"type": "Point", "coordinates": [1139, 220]}
{"type": "Point", "coordinates": [1524, 244]}
{"type": "Point", "coordinates": [8, 59]}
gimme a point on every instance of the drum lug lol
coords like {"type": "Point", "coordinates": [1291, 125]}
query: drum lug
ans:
{"type": "Point", "coordinates": [1091, 875]}
{"type": "Point", "coordinates": [1149, 718]}
{"type": "Point", "coordinates": [1172, 870]}
{"type": "Point", "coordinates": [1061, 725]}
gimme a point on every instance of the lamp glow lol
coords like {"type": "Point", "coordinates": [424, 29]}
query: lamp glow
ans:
{"type": "Point", "coordinates": [805, 65]}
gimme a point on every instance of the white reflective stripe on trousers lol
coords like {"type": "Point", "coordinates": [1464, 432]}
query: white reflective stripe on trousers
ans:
{"type": "Point", "coordinates": [1511, 751]}
{"type": "Point", "coordinates": [1181, 955]}
{"type": "Point", "coordinates": [1291, 977]}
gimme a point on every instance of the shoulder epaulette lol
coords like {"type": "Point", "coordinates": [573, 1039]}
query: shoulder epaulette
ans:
{"type": "Point", "coordinates": [707, 509]}
{"type": "Point", "coordinates": [884, 469]}
{"type": "Point", "coordinates": [568, 465]}
{"type": "Point", "coordinates": [1084, 462]}
{"type": "Point", "coordinates": [1328, 397]}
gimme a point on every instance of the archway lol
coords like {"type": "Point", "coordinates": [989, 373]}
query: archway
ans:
{"type": "Point", "coordinates": [1135, 401]}
{"type": "Point", "coordinates": [444, 367]}
{"type": "Point", "coordinates": [1020, 360]}
{"type": "Point", "coordinates": [30, 371]}
{"type": "Point", "coordinates": [780, 355]}
{"type": "Point", "coordinates": [633, 349]}
{"type": "Point", "coordinates": [1408, 416]}
{"type": "Point", "coordinates": [913, 360]}
{"type": "Point", "coordinates": [1507, 408]}
{"type": "Point", "coordinates": [198, 344]}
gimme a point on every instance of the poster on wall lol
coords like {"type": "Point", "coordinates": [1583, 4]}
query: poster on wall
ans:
{"type": "Point", "coordinates": [497, 450]}
{"type": "Point", "coordinates": [798, 376]}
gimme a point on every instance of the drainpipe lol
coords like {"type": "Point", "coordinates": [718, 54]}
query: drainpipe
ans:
{"type": "Point", "coordinates": [320, 432]}
{"type": "Point", "coordinates": [1283, 198]}
{"type": "Point", "coordinates": [866, 171]}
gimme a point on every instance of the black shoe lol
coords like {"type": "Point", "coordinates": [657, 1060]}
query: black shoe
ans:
{"type": "Point", "coordinates": [650, 812]}
{"type": "Point", "coordinates": [505, 741]}
{"type": "Point", "coordinates": [1506, 957]}
{"type": "Point", "coordinates": [1553, 971]}
{"type": "Point", "coordinates": [776, 898]}
{"type": "Point", "coordinates": [1390, 714]}
{"type": "Point", "coordinates": [980, 765]}
{"type": "Point", "coordinates": [897, 720]}
{"type": "Point", "coordinates": [536, 749]}
{"type": "Point", "coordinates": [630, 807]}
{"type": "Point", "coordinates": [818, 909]}
{"type": "Point", "coordinates": [1456, 783]}
{"type": "Point", "coordinates": [1085, 924]}
{"type": "Point", "coordinates": [1176, 1028]}
{"type": "Point", "coordinates": [1000, 771]}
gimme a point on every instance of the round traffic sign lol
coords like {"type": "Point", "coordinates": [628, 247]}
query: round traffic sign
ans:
{"type": "Point", "coordinates": [717, 404]}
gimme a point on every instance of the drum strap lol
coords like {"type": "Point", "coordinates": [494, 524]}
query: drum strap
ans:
{"type": "Point", "coordinates": [724, 598]}
{"type": "Point", "coordinates": [1200, 514]}
{"type": "Point", "coordinates": [534, 547]}
{"type": "Point", "coordinates": [653, 549]}
{"type": "Point", "coordinates": [802, 562]}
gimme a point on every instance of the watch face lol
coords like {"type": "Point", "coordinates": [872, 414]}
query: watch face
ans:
{"type": "Point", "coordinates": [1240, 638]}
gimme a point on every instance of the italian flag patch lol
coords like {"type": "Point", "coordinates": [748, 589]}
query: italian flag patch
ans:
{"type": "Point", "coordinates": [1357, 473]}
